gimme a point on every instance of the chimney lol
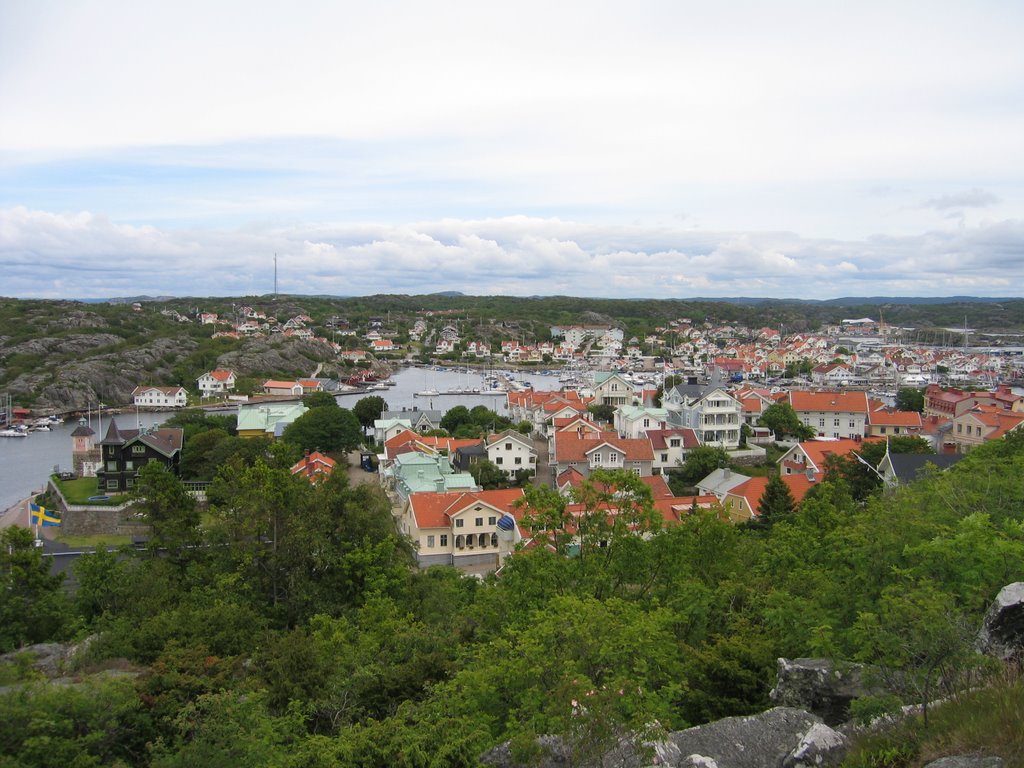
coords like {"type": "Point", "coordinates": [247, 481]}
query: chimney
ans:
{"type": "Point", "coordinates": [439, 485]}
{"type": "Point", "coordinates": [726, 472]}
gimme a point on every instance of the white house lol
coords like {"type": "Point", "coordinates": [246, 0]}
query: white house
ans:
{"type": "Point", "coordinates": [711, 412]}
{"type": "Point", "coordinates": [511, 451]}
{"type": "Point", "coordinates": [216, 381]}
{"type": "Point", "coordinates": [160, 397]}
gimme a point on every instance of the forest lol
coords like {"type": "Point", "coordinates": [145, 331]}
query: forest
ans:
{"type": "Point", "coordinates": [285, 625]}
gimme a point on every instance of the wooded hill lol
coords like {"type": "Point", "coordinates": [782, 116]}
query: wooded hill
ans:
{"type": "Point", "coordinates": [286, 626]}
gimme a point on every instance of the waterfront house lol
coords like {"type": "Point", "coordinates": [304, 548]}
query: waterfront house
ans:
{"type": "Point", "coordinates": [124, 451]}
{"type": "Point", "coordinates": [160, 397]}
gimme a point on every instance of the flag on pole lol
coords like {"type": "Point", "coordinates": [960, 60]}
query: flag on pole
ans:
{"type": "Point", "coordinates": [42, 516]}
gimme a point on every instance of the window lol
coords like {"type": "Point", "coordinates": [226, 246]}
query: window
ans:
{"type": "Point", "coordinates": [597, 458]}
{"type": "Point", "coordinates": [673, 443]}
{"type": "Point", "coordinates": [821, 422]}
{"type": "Point", "coordinates": [129, 482]}
{"type": "Point", "coordinates": [494, 539]}
{"type": "Point", "coordinates": [882, 430]}
{"type": "Point", "coordinates": [492, 520]}
{"type": "Point", "coordinates": [613, 458]}
{"type": "Point", "coordinates": [508, 446]}
{"type": "Point", "coordinates": [664, 458]}
{"type": "Point", "coordinates": [519, 459]}
{"type": "Point", "coordinates": [482, 539]}
{"type": "Point", "coordinates": [835, 423]}
{"type": "Point", "coordinates": [460, 541]}
{"type": "Point", "coordinates": [444, 539]}
{"type": "Point", "coordinates": [959, 428]}
{"type": "Point", "coordinates": [112, 485]}
{"type": "Point", "coordinates": [647, 423]}
{"type": "Point", "coordinates": [138, 449]}
{"type": "Point", "coordinates": [458, 522]}
{"type": "Point", "coordinates": [853, 424]}
{"type": "Point", "coordinates": [111, 466]}
{"type": "Point", "coordinates": [498, 460]}
{"type": "Point", "coordinates": [478, 522]}
{"type": "Point", "coordinates": [430, 541]}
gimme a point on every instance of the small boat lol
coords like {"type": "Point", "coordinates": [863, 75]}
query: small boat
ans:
{"type": "Point", "coordinates": [426, 393]}
{"type": "Point", "coordinates": [13, 433]}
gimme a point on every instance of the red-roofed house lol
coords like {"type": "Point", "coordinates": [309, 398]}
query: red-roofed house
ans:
{"type": "Point", "coordinates": [275, 387]}
{"type": "Point", "coordinates": [314, 466]}
{"type": "Point", "coordinates": [461, 528]}
{"type": "Point", "coordinates": [604, 450]}
{"type": "Point", "coordinates": [670, 447]}
{"type": "Point", "coordinates": [981, 424]}
{"type": "Point", "coordinates": [741, 503]}
{"type": "Point", "coordinates": [810, 456]}
{"type": "Point", "coordinates": [888, 421]}
{"type": "Point", "coordinates": [216, 381]}
{"type": "Point", "coordinates": [832, 414]}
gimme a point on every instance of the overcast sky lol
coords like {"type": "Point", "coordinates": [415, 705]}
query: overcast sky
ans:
{"type": "Point", "coordinates": [643, 149]}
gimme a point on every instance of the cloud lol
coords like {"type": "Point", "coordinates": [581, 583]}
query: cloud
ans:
{"type": "Point", "coordinates": [972, 198]}
{"type": "Point", "coordinates": [84, 255]}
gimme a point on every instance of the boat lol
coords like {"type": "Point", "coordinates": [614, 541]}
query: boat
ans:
{"type": "Point", "coordinates": [13, 433]}
{"type": "Point", "coordinates": [426, 393]}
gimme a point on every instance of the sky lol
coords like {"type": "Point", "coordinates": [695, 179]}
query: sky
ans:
{"type": "Point", "coordinates": [632, 150]}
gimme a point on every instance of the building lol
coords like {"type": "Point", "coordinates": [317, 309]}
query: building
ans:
{"type": "Point", "coordinates": [160, 397]}
{"type": "Point", "coordinates": [981, 424]}
{"type": "Point", "coordinates": [588, 451]}
{"type": "Point", "coordinates": [461, 528]}
{"type": "Point", "coordinates": [511, 452]}
{"type": "Point", "coordinates": [832, 414]}
{"type": "Point", "coordinates": [267, 419]}
{"type": "Point", "coordinates": [124, 452]}
{"type": "Point", "coordinates": [711, 412]}
{"type": "Point", "coordinates": [315, 467]}
{"type": "Point", "coordinates": [215, 382]}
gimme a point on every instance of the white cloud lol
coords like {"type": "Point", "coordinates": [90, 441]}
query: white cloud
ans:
{"type": "Point", "coordinates": [83, 255]}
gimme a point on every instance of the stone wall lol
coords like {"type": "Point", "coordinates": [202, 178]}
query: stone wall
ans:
{"type": "Point", "coordinates": [82, 520]}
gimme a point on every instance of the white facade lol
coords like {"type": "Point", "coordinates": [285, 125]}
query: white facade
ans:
{"type": "Point", "coordinates": [511, 452]}
{"type": "Point", "coordinates": [160, 397]}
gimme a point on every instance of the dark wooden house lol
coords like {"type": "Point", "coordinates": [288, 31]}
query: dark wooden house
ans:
{"type": "Point", "coordinates": [124, 451]}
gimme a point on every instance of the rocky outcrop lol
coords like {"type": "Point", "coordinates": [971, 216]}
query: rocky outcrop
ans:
{"type": "Point", "coordinates": [967, 761]}
{"type": "Point", "coordinates": [779, 738]}
{"type": "Point", "coordinates": [1002, 633]}
{"type": "Point", "coordinates": [286, 356]}
{"type": "Point", "coordinates": [820, 686]}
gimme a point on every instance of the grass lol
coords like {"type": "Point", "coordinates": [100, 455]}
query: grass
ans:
{"type": "Point", "coordinates": [79, 490]}
{"type": "Point", "coordinates": [97, 540]}
{"type": "Point", "coordinates": [987, 721]}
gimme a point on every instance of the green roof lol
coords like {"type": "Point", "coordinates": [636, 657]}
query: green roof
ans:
{"type": "Point", "coordinates": [265, 416]}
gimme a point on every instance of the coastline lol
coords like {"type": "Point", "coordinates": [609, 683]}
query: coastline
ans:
{"type": "Point", "coordinates": [18, 514]}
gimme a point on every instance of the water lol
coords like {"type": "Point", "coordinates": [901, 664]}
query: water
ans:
{"type": "Point", "coordinates": [26, 463]}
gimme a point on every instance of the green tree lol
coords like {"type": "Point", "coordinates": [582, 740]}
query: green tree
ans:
{"type": "Point", "coordinates": [776, 503]}
{"type": "Point", "coordinates": [702, 461]}
{"type": "Point", "coordinates": [330, 429]}
{"type": "Point", "coordinates": [782, 420]}
{"type": "Point", "coordinates": [320, 400]}
{"type": "Point", "coordinates": [168, 508]}
{"type": "Point", "coordinates": [455, 418]}
{"type": "Point", "coordinates": [488, 475]}
{"type": "Point", "coordinates": [198, 452]}
{"type": "Point", "coordinates": [910, 399]}
{"type": "Point", "coordinates": [369, 409]}
{"type": "Point", "coordinates": [33, 608]}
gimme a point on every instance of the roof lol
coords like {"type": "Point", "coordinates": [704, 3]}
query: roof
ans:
{"type": "Point", "coordinates": [165, 390]}
{"type": "Point", "coordinates": [264, 416]}
{"type": "Point", "coordinates": [720, 481]}
{"type": "Point", "coordinates": [220, 375]}
{"type": "Point", "coordinates": [817, 451]}
{"type": "Point", "coordinates": [890, 417]}
{"type": "Point", "coordinates": [436, 510]}
{"type": "Point", "coordinates": [659, 437]}
{"type": "Point", "coordinates": [753, 489]}
{"type": "Point", "coordinates": [570, 446]}
{"type": "Point", "coordinates": [998, 420]}
{"type": "Point", "coordinates": [836, 402]}
{"type": "Point", "coordinates": [313, 464]}
{"type": "Point", "coordinates": [907, 466]}
{"type": "Point", "coordinates": [83, 431]}
{"type": "Point", "coordinates": [276, 384]}
{"type": "Point", "coordinates": [165, 440]}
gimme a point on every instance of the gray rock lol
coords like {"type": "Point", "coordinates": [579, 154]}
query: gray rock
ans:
{"type": "Point", "coordinates": [967, 761]}
{"type": "Point", "coordinates": [766, 740]}
{"type": "Point", "coordinates": [1002, 633]}
{"type": "Point", "coordinates": [820, 746]}
{"type": "Point", "coordinates": [820, 687]}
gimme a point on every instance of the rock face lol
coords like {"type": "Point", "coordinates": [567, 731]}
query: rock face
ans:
{"type": "Point", "coordinates": [779, 738]}
{"type": "Point", "coordinates": [967, 761]}
{"type": "Point", "coordinates": [1002, 633]}
{"type": "Point", "coordinates": [819, 686]}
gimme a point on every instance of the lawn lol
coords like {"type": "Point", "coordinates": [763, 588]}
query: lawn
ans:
{"type": "Point", "coordinates": [94, 542]}
{"type": "Point", "coordinates": [79, 490]}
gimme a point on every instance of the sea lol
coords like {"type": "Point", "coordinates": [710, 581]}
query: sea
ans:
{"type": "Point", "coordinates": [27, 462]}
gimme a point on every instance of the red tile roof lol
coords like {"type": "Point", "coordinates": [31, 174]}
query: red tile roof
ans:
{"type": "Point", "coordinates": [837, 402]}
{"type": "Point", "coordinates": [570, 446]}
{"type": "Point", "coordinates": [435, 510]}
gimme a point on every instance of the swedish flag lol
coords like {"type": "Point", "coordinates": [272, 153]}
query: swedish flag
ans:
{"type": "Point", "coordinates": [40, 516]}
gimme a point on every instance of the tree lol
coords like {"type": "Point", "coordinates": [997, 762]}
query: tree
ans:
{"type": "Point", "coordinates": [33, 608]}
{"type": "Point", "coordinates": [320, 400]}
{"type": "Point", "coordinates": [197, 453]}
{"type": "Point", "coordinates": [325, 429]}
{"type": "Point", "coordinates": [171, 512]}
{"type": "Point", "coordinates": [455, 418]}
{"type": "Point", "coordinates": [782, 420]}
{"type": "Point", "coordinates": [910, 399]}
{"type": "Point", "coordinates": [369, 409]}
{"type": "Point", "coordinates": [775, 503]}
{"type": "Point", "coordinates": [604, 413]}
{"type": "Point", "coordinates": [488, 475]}
{"type": "Point", "coordinates": [702, 461]}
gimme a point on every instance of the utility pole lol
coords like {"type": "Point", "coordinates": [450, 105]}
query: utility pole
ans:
{"type": "Point", "coordinates": [275, 277]}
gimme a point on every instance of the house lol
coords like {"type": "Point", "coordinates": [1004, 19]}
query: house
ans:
{"type": "Point", "coordinates": [511, 452]}
{"type": "Point", "coordinates": [741, 502]}
{"type": "Point", "coordinates": [275, 387]}
{"type": "Point", "coordinates": [720, 482]}
{"type": "Point", "coordinates": [219, 380]}
{"type": "Point", "coordinates": [315, 467]}
{"type": "Point", "coordinates": [888, 421]}
{"type": "Point", "coordinates": [267, 419]}
{"type": "Point", "coordinates": [809, 457]}
{"type": "Point", "coordinates": [710, 411]}
{"type": "Point", "coordinates": [160, 397]}
{"type": "Point", "coordinates": [981, 424]}
{"type": "Point", "coordinates": [385, 429]}
{"type": "Point", "coordinates": [613, 389]}
{"type": "Point", "coordinates": [420, 420]}
{"type": "Point", "coordinates": [633, 421]}
{"type": "Point", "coordinates": [124, 451]}
{"type": "Point", "coordinates": [415, 472]}
{"type": "Point", "coordinates": [379, 346]}
{"type": "Point", "coordinates": [832, 374]}
{"type": "Point", "coordinates": [670, 447]}
{"type": "Point", "coordinates": [461, 528]}
{"type": "Point", "coordinates": [832, 414]}
{"type": "Point", "coordinates": [903, 468]}
{"type": "Point", "coordinates": [602, 450]}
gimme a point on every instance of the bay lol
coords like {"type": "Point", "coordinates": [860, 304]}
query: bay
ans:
{"type": "Point", "coordinates": [27, 462]}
